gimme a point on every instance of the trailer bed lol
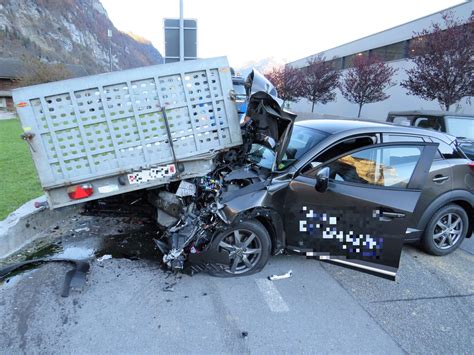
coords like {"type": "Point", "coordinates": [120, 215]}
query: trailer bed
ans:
{"type": "Point", "coordinates": [128, 130]}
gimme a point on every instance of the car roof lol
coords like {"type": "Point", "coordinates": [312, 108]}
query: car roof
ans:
{"type": "Point", "coordinates": [336, 126]}
{"type": "Point", "coordinates": [431, 113]}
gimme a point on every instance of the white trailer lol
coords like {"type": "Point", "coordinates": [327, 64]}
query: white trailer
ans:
{"type": "Point", "coordinates": [112, 133]}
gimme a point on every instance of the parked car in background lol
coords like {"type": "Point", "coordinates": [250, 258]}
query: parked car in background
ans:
{"type": "Point", "coordinates": [458, 125]}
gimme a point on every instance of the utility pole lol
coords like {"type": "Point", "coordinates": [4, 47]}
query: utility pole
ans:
{"type": "Point", "coordinates": [109, 35]}
{"type": "Point", "coordinates": [181, 32]}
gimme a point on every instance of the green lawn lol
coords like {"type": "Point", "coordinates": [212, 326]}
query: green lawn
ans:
{"type": "Point", "coordinates": [18, 179]}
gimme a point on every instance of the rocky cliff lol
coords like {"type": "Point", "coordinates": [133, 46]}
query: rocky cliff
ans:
{"type": "Point", "coordinates": [70, 31]}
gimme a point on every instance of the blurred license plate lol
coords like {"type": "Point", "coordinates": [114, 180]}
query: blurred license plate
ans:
{"type": "Point", "coordinates": [157, 173]}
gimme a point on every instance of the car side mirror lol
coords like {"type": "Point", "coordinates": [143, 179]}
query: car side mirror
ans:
{"type": "Point", "coordinates": [322, 180]}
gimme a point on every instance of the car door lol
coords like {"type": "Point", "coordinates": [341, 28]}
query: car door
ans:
{"type": "Point", "coordinates": [361, 219]}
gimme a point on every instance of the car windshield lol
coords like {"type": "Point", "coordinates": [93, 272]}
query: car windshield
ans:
{"type": "Point", "coordinates": [301, 141]}
{"type": "Point", "coordinates": [262, 156]}
{"type": "Point", "coordinates": [461, 127]}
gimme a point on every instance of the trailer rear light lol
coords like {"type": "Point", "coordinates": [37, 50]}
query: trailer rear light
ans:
{"type": "Point", "coordinates": [80, 191]}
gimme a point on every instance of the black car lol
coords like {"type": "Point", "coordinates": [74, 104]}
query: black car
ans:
{"type": "Point", "coordinates": [456, 124]}
{"type": "Point", "coordinates": [348, 192]}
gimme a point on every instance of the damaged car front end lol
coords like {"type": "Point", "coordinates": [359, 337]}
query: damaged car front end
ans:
{"type": "Point", "coordinates": [203, 220]}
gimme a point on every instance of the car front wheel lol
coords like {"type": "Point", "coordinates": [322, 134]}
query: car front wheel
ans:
{"type": "Point", "coordinates": [446, 230]}
{"type": "Point", "coordinates": [249, 246]}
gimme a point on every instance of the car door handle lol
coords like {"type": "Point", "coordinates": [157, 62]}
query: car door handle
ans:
{"type": "Point", "coordinates": [440, 178]}
{"type": "Point", "coordinates": [392, 214]}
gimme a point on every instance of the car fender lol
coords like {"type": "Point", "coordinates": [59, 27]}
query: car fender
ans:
{"type": "Point", "coordinates": [256, 205]}
{"type": "Point", "coordinates": [446, 198]}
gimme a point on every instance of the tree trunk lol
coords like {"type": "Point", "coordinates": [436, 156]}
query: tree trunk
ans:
{"type": "Point", "coordinates": [447, 106]}
{"type": "Point", "coordinates": [312, 108]}
{"type": "Point", "coordinates": [360, 109]}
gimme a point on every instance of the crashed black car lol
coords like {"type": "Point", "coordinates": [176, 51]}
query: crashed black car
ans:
{"type": "Point", "coordinates": [346, 192]}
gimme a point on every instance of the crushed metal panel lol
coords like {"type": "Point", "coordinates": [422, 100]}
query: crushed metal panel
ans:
{"type": "Point", "coordinates": [102, 125]}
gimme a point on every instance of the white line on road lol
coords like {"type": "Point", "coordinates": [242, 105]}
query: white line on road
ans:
{"type": "Point", "coordinates": [272, 296]}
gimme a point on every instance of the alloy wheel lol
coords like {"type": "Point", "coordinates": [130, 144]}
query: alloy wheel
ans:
{"type": "Point", "coordinates": [244, 248]}
{"type": "Point", "coordinates": [448, 230]}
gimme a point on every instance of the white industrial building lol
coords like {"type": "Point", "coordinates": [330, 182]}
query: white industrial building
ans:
{"type": "Point", "coordinates": [391, 45]}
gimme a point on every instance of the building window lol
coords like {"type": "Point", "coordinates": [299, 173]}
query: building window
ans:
{"type": "Point", "coordinates": [336, 63]}
{"type": "Point", "coordinates": [348, 60]}
{"type": "Point", "coordinates": [3, 102]}
{"type": "Point", "coordinates": [393, 51]}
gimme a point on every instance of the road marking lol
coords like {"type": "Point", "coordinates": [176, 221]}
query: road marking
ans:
{"type": "Point", "coordinates": [272, 296]}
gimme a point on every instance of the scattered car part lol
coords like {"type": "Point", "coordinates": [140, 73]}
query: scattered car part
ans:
{"type": "Point", "coordinates": [74, 278]}
{"type": "Point", "coordinates": [286, 275]}
{"type": "Point", "coordinates": [104, 257]}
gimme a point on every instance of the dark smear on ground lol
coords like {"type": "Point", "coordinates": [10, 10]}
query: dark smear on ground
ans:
{"type": "Point", "coordinates": [121, 226]}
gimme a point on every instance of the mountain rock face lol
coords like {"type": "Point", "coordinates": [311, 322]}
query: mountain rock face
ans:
{"type": "Point", "coordinates": [70, 31]}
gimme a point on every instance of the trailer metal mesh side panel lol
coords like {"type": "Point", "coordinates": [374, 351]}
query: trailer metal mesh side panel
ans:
{"type": "Point", "coordinates": [107, 124]}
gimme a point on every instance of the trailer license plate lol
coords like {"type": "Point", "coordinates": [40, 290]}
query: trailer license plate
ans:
{"type": "Point", "coordinates": [152, 174]}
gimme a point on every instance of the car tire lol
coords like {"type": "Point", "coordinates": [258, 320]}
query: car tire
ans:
{"type": "Point", "coordinates": [247, 256]}
{"type": "Point", "coordinates": [446, 230]}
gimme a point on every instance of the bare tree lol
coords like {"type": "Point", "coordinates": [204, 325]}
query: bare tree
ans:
{"type": "Point", "coordinates": [444, 62]}
{"type": "Point", "coordinates": [38, 72]}
{"type": "Point", "coordinates": [367, 81]}
{"type": "Point", "coordinates": [319, 81]}
{"type": "Point", "coordinates": [287, 81]}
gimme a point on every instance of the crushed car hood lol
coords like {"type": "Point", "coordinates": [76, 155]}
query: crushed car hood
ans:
{"type": "Point", "coordinates": [271, 124]}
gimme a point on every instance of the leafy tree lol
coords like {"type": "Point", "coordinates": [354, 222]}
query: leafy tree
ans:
{"type": "Point", "coordinates": [444, 62]}
{"type": "Point", "coordinates": [320, 79]}
{"type": "Point", "coordinates": [287, 81]}
{"type": "Point", "coordinates": [366, 81]}
{"type": "Point", "coordinates": [38, 72]}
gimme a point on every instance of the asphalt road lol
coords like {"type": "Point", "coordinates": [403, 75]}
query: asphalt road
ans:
{"type": "Point", "coordinates": [322, 308]}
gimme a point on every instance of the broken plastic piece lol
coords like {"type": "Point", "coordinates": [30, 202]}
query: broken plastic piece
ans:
{"type": "Point", "coordinates": [82, 229]}
{"type": "Point", "coordinates": [169, 288]}
{"type": "Point", "coordinates": [41, 204]}
{"type": "Point", "coordinates": [186, 189]}
{"type": "Point", "coordinates": [104, 257]}
{"type": "Point", "coordinates": [281, 277]}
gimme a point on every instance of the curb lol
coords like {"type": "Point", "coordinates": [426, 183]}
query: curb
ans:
{"type": "Point", "coordinates": [26, 224]}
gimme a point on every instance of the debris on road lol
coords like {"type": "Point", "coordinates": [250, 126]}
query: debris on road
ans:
{"type": "Point", "coordinates": [104, 257]}
{"type": "Point", "coordinates": [82, 229]}
{"type": "Point", "coordinates": [281, 277]}
{"type": "Point", "coordinates": [170, 287]}
{"type": "Point", "coordinates": [245, 334]}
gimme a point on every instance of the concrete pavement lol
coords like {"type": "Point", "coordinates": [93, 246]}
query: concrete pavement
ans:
{"type": "Point", "coordinates": [323, 308]}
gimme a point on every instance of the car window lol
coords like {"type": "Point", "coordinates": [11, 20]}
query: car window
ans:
{"type": "Point", "coordinates": [401, 120]}
{"type": "Point", "coordinates": [338, 149]}
{"type": "Point", "coordinates": [428, 123]}
{"type": "Point", "coordinates": [446, 150]}
{"type": "Point", "coordinates": [460, 126]}
{"type": "Point", "coordinates": [239, 89]}
{"type": "Point", "coordinates": [401, 138]}
{"type": "Point", "coordinates": [379, 166]}
{"type": "Point", "coordinates": [301, 141]}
